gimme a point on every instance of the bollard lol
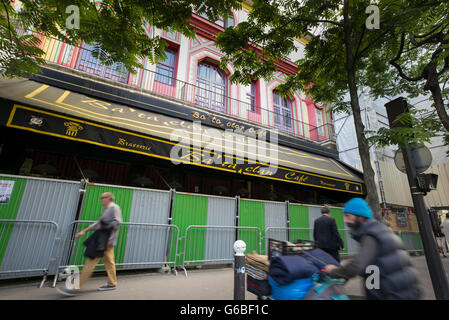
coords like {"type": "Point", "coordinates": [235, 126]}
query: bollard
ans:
{"type": "Point", "coordinates": [239, 270]}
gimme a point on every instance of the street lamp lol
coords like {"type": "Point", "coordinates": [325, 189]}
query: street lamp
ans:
{"type": "Point", "coordinates": [420, 184]}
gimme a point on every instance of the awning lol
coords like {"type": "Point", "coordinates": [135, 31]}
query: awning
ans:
{"type": "Point", "coordinates": [62, 113]}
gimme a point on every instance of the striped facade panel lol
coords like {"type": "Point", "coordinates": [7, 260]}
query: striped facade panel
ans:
{"type": "Point", "coordinates": [189, 210]}
{"type": "Point", "coordinates": [148, 243]}
{"type": "Point", "coordinates": [299, 223]}
{"type": "Point", "coordinates": [9, 211]}
{"type": "Point", "coordinates": [314, 213]}
{"type": "Point", "coordinates": [337, 214]}
{"type": "Point", "coordinates": [252, 214]}
{"type": "Point", "coordinates": [352, 246]}
{"type": "Point", "coordinates": [30, 245]}
{"type": "Point", "coordinates": [276, 217]}
{"type": "Point", "coordinates": [220, 241]}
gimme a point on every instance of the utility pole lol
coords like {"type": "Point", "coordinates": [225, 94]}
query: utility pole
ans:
{"type": "Point", "coordinates": [434, 264]}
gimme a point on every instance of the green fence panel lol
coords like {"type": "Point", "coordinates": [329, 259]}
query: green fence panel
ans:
{"type": "Point", "coordinates": [189, 210]}
{"type": "Point", "coordinates": [252, 214]}
{"type": "Point", "coordinates": [9, 211]}
{"type": "Point", "coordinates": [299, 218]}
{"type": "Point", "coordinates": [418, 242]}
{"type": "Point", "coordinates": [92, 209]}
{"type": "Point", "coordinates": [337, 214]}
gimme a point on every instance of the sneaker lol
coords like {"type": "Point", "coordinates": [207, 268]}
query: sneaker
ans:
{"type": "Point", "coordinates": [106, 287]}
{"type": "Point", "coordinates": [68, 292]}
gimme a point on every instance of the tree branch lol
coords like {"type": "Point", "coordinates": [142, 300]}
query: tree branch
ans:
{"type": "Point", "coordinates": [435, 27]}
{"type": "Point", "coordinates": [445, 67]}
{"type": "Point", "coordinates": [372, 43]}
{"type": "Point", "coordinates": [398, 67]}
{"type": "Point", "coordinates": [9, 23]}
{"type": "Point", "coordinates": [322, 21]}
{"type": "Point", "coordinates": [432, 39]}
{"type": "Point", "coordinates": [360, 41]}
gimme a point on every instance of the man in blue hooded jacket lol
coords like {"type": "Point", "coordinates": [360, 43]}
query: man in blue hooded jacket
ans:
{"type": "Point", "coordinates": [380, 249]}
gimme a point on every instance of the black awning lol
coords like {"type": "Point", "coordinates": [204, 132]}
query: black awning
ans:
{"type": "Point", "coordinates": [65, 114]}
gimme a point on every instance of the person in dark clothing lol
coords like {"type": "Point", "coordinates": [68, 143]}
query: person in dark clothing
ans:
{"type": "Point", "coordinates": [437, 232]}
{"type": "Point", "coordinates": [381, 250]}
{"type": "Point", "coordinates": [326, 235]}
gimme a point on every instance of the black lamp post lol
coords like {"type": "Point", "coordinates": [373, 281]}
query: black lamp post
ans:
{"type": "Point", "coordinates": [417, 188]}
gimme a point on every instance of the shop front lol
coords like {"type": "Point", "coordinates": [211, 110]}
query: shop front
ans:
{"type": "Point", "coordinates": [55, 132]}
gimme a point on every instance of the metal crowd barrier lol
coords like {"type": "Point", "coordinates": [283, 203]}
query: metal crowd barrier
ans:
{"type": "Point", "coordinates": [412, 241]}
{"type": "Point", "coordinates": [281, 233]}
{"type": "Point", "coordinates": [214, 244]}
{"type": "Point", "coordinates": [352, 246]}
{"type": "Point", "coordinates": [26, 249]}
{"type": "Point", "coordinates": [139, 246]}
{"type": "Point", "coordinates": [284, 233]}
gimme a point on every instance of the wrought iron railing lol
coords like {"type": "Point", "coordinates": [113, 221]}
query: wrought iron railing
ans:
{"type": "Point", "coordinates": [85, 58]}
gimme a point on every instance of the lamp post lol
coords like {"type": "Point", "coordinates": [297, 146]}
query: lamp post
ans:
{"type": "Point", "coordinates": [434, 264]}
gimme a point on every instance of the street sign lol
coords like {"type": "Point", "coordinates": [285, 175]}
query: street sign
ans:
{"type": "Point", "coordinates": [422, 156]}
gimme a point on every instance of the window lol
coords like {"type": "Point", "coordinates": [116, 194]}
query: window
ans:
{"type": "Point", "coordinates": [225, 23]}
{"type": "Point", "coordinates": [282, 113]}
{"type": "Point", "coordinates": [229, 22]}
{"type": "Point", "coordinates": [319, 121]}
{"type": "Point", "coordinates": [165, 69]}
{"type": "Point", "coordinates": [252, 96]}
{"type": "Point", "coordinates": [211, 87]}
{"type": "Point", "coordinates": [88, 61]}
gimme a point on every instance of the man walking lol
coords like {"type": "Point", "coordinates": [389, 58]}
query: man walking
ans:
{"type": "Point", "coordinates": [437, 232]}
{"type": "Point", "coordinates": [326, 235]}
{"type": "Point", "coordinates": [381, 250]}
{"type": "Point", "coordinates": [109, 220]}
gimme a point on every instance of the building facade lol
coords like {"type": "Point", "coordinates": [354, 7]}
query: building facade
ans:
{"type": "Point", "coordinates": [153, 101]}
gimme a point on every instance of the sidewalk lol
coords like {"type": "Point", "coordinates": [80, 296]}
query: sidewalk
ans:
{"type": "Point", "coordinates": [200, 284]}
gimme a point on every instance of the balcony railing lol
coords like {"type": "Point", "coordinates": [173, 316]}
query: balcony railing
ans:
{"type": "Point", "coordinates": [85, 59]}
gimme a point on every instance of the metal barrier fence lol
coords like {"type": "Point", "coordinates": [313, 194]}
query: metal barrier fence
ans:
{"type": "Point", "coordinates": [351, 246]}
{"type": "Point", "coordinates": [280, 233]}
{"type": "Point", "coordinates": [149, 246]}
{"type": "Point", "coordinates": [26, 247]}
{"type": "Point", "coordinates": [217, 245]}
{"type": "Point", "coordinates": [412, 241]}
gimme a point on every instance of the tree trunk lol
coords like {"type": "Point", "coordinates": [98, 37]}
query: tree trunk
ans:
{"type": "Point", "coordinates": [368, 172]}
{"type": "Point", "coordinates": [433, 86]}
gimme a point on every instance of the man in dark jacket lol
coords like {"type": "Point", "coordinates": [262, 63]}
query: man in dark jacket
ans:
{"type": "Point", "coordinates": [326, 235]}
{"type": "Point", "coordinates": [438, 233]}
{"type": "Point", "coordinates": [382, 261]}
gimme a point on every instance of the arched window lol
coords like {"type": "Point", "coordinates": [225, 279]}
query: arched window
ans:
{"type": "Point", "coordinates": [319, 121]}
{"type": "Point", "coordinates": [88, 61]}
{"type": "Point", "coordinates": [282, 108]}
{"type": "Point", "coordinates": [211, 91]}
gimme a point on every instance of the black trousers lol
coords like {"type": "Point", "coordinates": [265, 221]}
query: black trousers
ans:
{"type": "Point", "coordinates": [333, 253]}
